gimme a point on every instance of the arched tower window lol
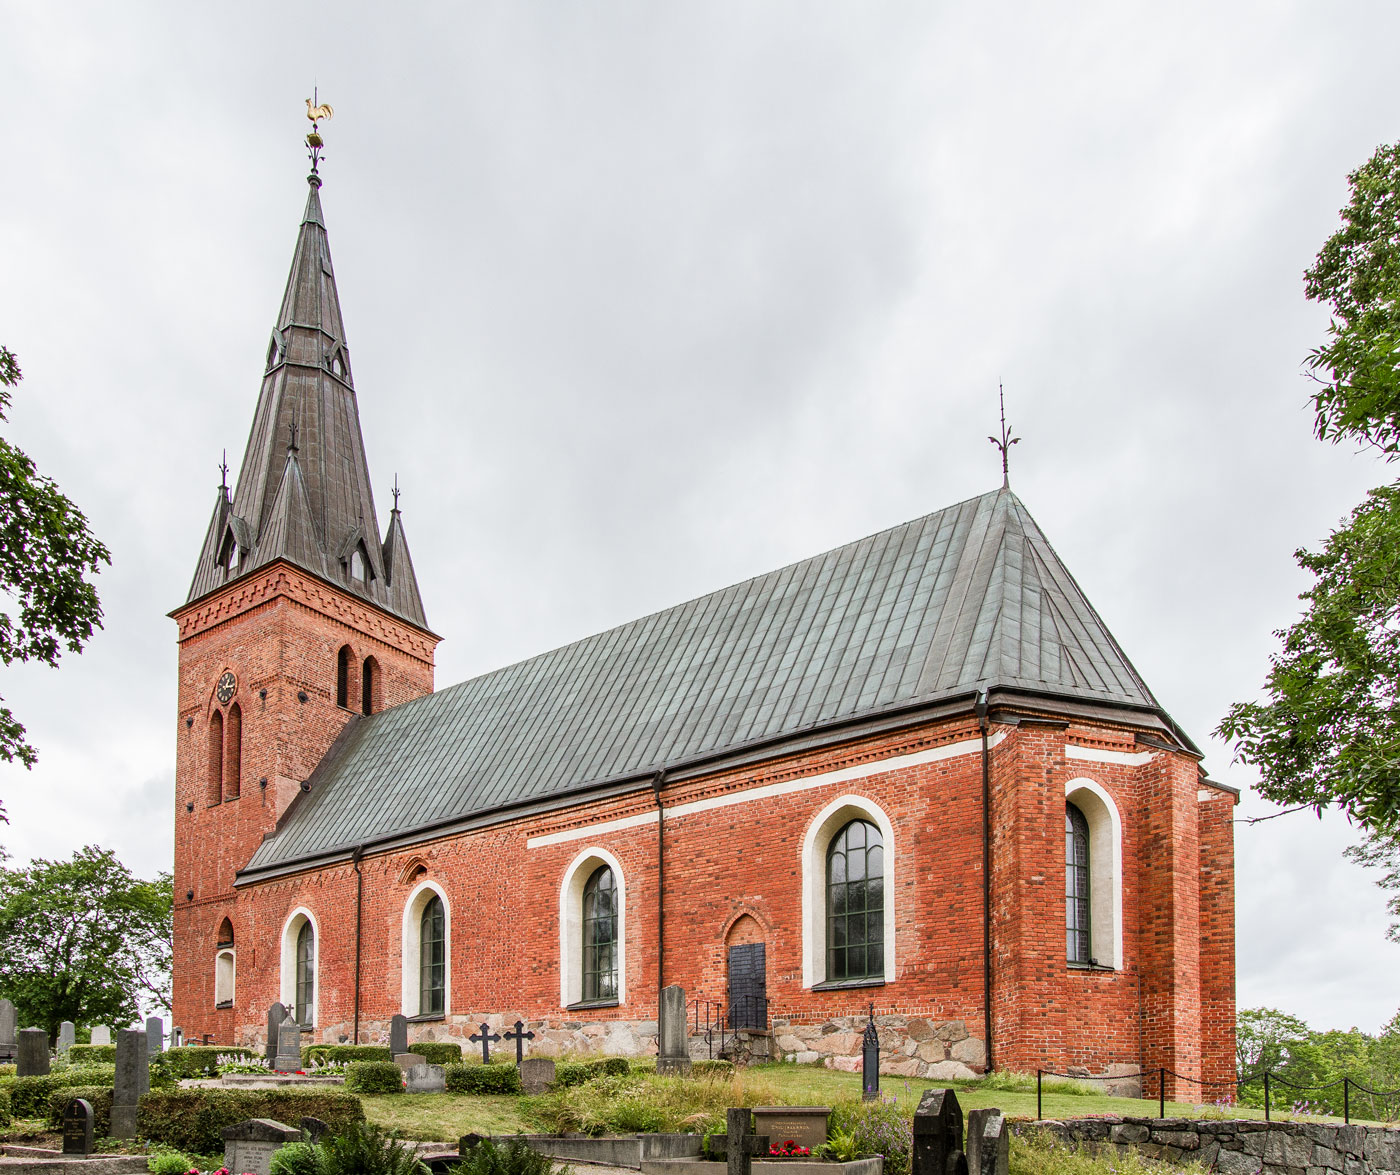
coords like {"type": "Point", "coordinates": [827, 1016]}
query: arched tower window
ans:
{"type": "Point", "coordinates": [305, 1006]}
{"type": "Point", "coordinates": [224, 966]}
{"type": "Point", "coordinates": [368, 672]}
{"type": "Point", "coordinates": [233, 753]}
{"type": "Point", "coordinates": [600, 936]}
{"type": "Point", "coordinates": [855, 903]}
{"type": "Point", "coordinates": [216, 757]}
{"type": "Point", "coordinates": [357, 565]}
{"type": "Point", "coordinates": [342, 676]}
{"type": "Point", "coordinates": [432, 959]}
{"type": "Point", "coordinates": [1077, 892]}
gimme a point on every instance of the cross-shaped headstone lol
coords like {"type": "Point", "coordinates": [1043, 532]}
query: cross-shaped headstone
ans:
{"type": "Point", "coordinates": [485, 1036]}
{"type": "Point", "coordinates": [520, 1036]}
{"type": "Point", "coordinates": [739, 1144]}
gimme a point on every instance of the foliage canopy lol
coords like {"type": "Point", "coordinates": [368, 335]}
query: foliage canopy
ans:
{"type": "Point", "coordinates": [47, 554]}
{"type": "Point", "coordinates": [84, 940]}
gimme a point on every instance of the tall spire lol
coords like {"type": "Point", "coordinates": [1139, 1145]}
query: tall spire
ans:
{"type": "Point", "coordinates": [325, 522]}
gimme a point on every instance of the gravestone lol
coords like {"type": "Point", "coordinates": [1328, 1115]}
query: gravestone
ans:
{"type": "Point", "coordinates": [102, 1035]}
{"type": "Point", "coordinates": [674, 1054]}
{"type": "Point", "coordinates": [739, 1144]}
{"type": "Point", "coordinates": [9, 1025]}
{"type": "Point", "coordinates": [33, 1059]}
{"type": "Point", "coordinates": [155, 1035]}
{"type": "Point", "coordinates": [398, 1035]}
{"type": "Point", "coordinates": [249, 1146]}
{"type": "Point", "coordinates": [77, 1127]}
{"type": "Point", "coordinates": [485, 1037]}
{"type": "Point", "coordinates": [67, 1036]}
{"type": "Point", "coordinates": [938, 1133]}
{"type": "Point", "coordinates": [132, 1080]}
{"type": "Point", "coordinates": [275, 1015]}
{"type": "Point", "coordinates": [520, 1036]}
{"type": "Point", "coordinates": [536, 1074]}
{"type": "Point", "coordinates": [314, 1128]}
{"type": "Point", "coordinates": [870, 1060]}
{"type": "Point", "coordinates": [406, 1061]}
{"type": "Point", "coordinates": [804, 1125]}
{"type": "Point", "coordinates": [288, 1048]}
{"type": "Point", "coordinates": [426, 1079]}
{"type": "Point", "coordinates": [988, 1143]}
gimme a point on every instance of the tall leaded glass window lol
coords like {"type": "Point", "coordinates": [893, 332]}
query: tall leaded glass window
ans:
{"type": "Point", "coordinates": [306, 974]}
{"type": "Point", "coordinates": [600, 936]}
{"type": "Point", "coordinates": [855, 903]}
{"type": "Point", "coordinates": [1076, 885]}
{"type": "Point", "coordinates": [432, 960]}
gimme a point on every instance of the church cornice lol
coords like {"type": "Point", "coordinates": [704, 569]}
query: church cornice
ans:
{"type": "Point", "coordinates": [286, 580]}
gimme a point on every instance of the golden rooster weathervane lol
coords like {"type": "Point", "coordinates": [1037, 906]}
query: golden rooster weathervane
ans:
{"type": "Point", "coordinates": [315, 111]}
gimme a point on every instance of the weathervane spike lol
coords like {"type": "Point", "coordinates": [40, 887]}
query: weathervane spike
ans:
{"type": "Point", "coordinates": [223, 471]}
{"type": "Point", "coordinates": [396, 493]}
{"type": "Point", "coordinates": [315, 111]}
{"type": "Point", "coordinates": [1005, 441]}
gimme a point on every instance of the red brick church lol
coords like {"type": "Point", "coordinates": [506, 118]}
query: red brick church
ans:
{"type": "Point", "coordinates": [916, 771]}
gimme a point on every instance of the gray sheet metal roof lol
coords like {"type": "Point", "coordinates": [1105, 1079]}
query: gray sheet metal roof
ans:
{"type": "Point", "coordinates": [971, 597]}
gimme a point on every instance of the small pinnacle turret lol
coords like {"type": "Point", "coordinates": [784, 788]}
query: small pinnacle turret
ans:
{"type": "Point", "coordinates": [303, 491]}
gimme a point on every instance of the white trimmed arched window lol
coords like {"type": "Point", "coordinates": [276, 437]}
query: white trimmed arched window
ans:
{"type": "Point", "coordinates": [842, 836]}
{"type": "Point", "coordinates": [427, 952]}
{"type": "Point", "coordinates": [1104, 871]}
{"type": "Point", "coordinates": [301, 943]}
{"type": "Point", "coordinates": [592, 931]}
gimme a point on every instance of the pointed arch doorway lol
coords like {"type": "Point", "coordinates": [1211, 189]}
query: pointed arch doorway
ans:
{"type": "Point", "coordinates": [747, 974]}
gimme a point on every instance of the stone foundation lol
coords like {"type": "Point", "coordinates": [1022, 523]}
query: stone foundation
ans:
{"type": "Point", "coordinates": [1240, 1147]}
{"type": "Point", "coordinates": [910, 1046]}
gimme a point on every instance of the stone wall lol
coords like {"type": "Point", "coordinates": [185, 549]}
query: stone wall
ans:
{"type": "Point", "coordinates": [910, 1046]}
{"type": "Point", "coordinates": [1237, 1147]}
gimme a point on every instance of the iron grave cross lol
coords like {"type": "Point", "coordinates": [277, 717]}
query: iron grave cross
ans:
{"type": "Point", "coordinates": [738, 1143]}
{"type": "Point", "coordinates": [486, 1036]}
{"type": "Point", "coordinates": [520, 1036]}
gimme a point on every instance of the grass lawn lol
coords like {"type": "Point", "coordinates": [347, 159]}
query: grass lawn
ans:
{"type": "Point", "coordinates": [445, 1117]}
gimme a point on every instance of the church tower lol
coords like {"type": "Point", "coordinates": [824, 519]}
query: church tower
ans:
{"type": "Point", "coordinates": [302, 616]}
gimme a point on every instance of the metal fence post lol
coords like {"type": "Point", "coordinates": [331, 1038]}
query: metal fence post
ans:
{"type": "Point", "coordinates": [1346, 1100]}
{"type": "Point", "coordinates": [1038, 1113]}
{"type": "Point", "coordinates": [1162, 1092]}
{"type": "Point", "coordinates": [1266, 1095]}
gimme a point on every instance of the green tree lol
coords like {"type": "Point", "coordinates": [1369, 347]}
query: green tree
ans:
{"type": "Point", "coordinates": [1329, 729]}
{"type": "Point", "coordinates": [84, 940]}
{"type": "Point", "coordinates": [47, 555]}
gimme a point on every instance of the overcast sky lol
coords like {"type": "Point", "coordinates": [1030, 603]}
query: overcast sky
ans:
{"type": "Point", "coordinates": [646, 298]}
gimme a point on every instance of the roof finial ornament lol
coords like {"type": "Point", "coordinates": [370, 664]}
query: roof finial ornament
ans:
{"type": "Point", "coordinates": [315, 111]}
{"type": "Point", "coordinates": [223, 472]}
{"type": "Point", "coordinates": [292, 444]}
{"type": "Point", "coordinates": [1005, 441]}
{"type": "Point", "coordinates": [396, 493]}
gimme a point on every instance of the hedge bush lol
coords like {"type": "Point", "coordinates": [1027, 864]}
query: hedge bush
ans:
{"type": "Point", "coordinates": [571, 1073]}
{"type": "Point", "coordinates": [483, 1079]}
{"type": "Point", "coordinates": [714, 1068]}
{"type": "Point", "coordinates": [344, 1053]}
{"type": "Point", "coordinates": [98, 1096]}
{"type": "Point", "coordinates": [200, 1060]}
{"type": "Point", "coordinates": [29, 1096]}
{"type": "Point", "coordinates": [93, 1054]}
{"type": "Point", "coordinates": [374, 1077]}
{"type": "Point", "coordinates": [437, 1052]}
{"type": "Point", "coordinates": [5, 1116]}
{"type": "Point", "coordinates": [193, 1120]}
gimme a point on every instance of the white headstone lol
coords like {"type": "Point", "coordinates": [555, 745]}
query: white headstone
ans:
{"type": "Point", "coordinates": [101, 1035]}
{"type": "Point", "coordinates": [67, 1036]}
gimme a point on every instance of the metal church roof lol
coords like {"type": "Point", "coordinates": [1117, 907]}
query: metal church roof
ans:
{"type": "Point", "coordinates": [970, 597]}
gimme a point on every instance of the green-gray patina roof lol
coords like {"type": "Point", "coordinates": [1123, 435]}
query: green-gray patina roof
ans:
{"type": "Point", "coordinates": [970, 597]}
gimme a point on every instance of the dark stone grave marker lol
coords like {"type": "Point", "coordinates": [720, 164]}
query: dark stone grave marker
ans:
{"type": "Point", "coordinates": [33, 1060]}
{"type": "Point", "coordinates": [314, 1128]}
{"type": "Point", "coordinates": [486, 1037]}
{"type": "Point", "coordinates": [398, 1035]}
{"type": "Point", "coordinates": [536, 1074]}
{"type": "Point", "coordinates": [673, 1056]}
{"type": "Point", "coordinates": [275, 1015]}
{"type": "Point", "coordinates": [132, 1080]}
{"type": "Point", "coordinates": [77, 1127]}
{"type": "Point", "coordinates": [938, 1134]}
{"type": "Point", "coordinates": [249, 1146]}
{"type": "Point", "coordinates": [739, 1145]}
{"type": "Point", "coordinates": [988, 1143]}
{"type": "Point", "coordinates": [288, 1048]}
{"type": "Point", "coordinates": [520, 1036]}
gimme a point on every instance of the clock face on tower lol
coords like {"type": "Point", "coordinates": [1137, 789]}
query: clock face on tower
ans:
{"type": "Point", "coordinates": [228, 685]}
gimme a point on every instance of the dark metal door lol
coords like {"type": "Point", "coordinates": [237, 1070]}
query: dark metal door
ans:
{"type": "Point", "coordinates": [748, 986]}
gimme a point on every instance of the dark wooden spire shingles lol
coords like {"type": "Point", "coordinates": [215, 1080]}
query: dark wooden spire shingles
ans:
{"type": "Point", "coordinates": [309, 385]}
{"type": "Point", "coordinates": [971, 597]}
